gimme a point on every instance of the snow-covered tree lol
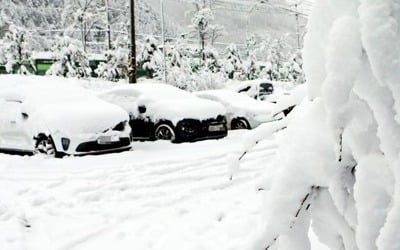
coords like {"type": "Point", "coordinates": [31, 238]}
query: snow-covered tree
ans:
{"type": "Point", "coordinates": [115, 67]}
{"type": "Point", "coordinates": [85, 20]}
{"type": "Point", "coordinates": [250, 68]}
{"type": "Point", "coordinates": [72, 61]}
{"type": "Point", "coordinates": [16, 48]}
{"type": "Point", "coordinates": [211, 60]}
{"type": "Point", "coordinates": [202, 27]}
{"type": "Point", "coordinates": [216, 31]}
{"type": "Point", "coordinates": [150, 58]}
{"type": "Point", "coordinates": [337, 169]}
{"type": "Point", "coordinates": [252, 43]}
{"type": "Point", "coordinates": [182, 73]}
{"type": "Point", "coordinates": [232, 62]}
{"type": "Point", "coordinates": [83, 15]}
{"type": "Point", "coordinates": [295, 68]}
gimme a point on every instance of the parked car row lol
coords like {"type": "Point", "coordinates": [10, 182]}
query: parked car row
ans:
{"type": "Point", "coordinates": [57, 118]}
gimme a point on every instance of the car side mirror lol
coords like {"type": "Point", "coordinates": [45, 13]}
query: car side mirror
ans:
{"type": "Point", "coordinates": [142, 109]}
{"type": "Point", "coordinates": [24, 115]}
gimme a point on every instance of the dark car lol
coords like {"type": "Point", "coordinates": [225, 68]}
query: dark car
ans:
{"type": "Point", "coordinates": [162, 112]}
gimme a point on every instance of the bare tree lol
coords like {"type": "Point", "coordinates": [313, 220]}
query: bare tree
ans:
{"type": "Point", "coordinates": [202, 27]}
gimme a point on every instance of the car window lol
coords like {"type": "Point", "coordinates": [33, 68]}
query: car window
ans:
{"type": "Point", "coordinates": [245, 89]}
{"type": "Point", "coordinates": [266, 88]}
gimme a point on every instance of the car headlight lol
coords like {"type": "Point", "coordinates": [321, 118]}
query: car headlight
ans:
{"type": "Point", "coordinates": [188, 130]}
{"type": "Point", "coordinates": [65, 143]}
{"type": "Point", "coordinates": [120, 126]}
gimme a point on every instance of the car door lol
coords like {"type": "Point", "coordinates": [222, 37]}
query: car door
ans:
{"type": "Point", "coordinates": [13, 133]}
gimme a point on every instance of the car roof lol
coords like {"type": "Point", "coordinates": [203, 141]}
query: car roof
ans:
{"type": "Point", "coordinates": [150, 90]}
{"type": "Point", "coordinates": [227, 95]}
{"type": "Point", "coordinates": [38, 93]}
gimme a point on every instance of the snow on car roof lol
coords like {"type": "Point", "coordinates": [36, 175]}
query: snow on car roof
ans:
{"type": "Point", "coordinates": [61, 103]}
{"type": "Point", "coordinates": [150, 90]}
{"type": "Point", "coordinates": [42, 89]}
{"type": "Point", "coordinates": [242, 84]}
{"type": "Point", "coordinates": [232, 98]}
{"type": "Point", "coordinates": [163, 101]}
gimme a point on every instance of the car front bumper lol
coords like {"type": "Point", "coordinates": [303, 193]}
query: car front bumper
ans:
{"type": "Point", "coordinates": [84, 144]}
{"type": "Point", "coordinates": [194, 130]}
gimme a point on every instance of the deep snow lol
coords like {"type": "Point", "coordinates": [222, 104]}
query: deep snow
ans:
{"type": "Point", "coordinates": [158, 196]}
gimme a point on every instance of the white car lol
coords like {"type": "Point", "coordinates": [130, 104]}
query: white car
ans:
{"type": "Point", "coordinates": [58, 119]}
{"type": "Point", "coordinates": [262, 89]}
{"type": "Point", "coordinates": [162, 112]}
{"type": "Point", "coordinates": [243, 112]}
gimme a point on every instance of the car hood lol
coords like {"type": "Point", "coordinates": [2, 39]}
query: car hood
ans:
{"type": "Point", "coordinates": [79, 117]}
{"type": "Point", "coordinates": [176, 110]}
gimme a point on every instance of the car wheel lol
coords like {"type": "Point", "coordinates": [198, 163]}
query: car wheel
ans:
{"type": "Point", "coordinates": [240, 123]}
{"type": "Point", "coordinates": [164, 132]}
{"type": "Point", "coordinates": [45, 146]}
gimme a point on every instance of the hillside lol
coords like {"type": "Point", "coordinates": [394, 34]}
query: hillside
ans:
{"type": "Point", "coordinates": [49, 19]}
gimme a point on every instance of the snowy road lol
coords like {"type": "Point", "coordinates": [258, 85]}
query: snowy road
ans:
{"type": "Point", "coordinates": [158, 196]}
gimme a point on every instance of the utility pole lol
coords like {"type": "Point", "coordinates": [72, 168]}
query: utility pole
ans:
{"type": "Point", "coordinates": [108, 26]}
{"type": "Point", "coordinates": [297, 26]}
{"type": "Point", "coordinates": [132, 56]}
{"type": "Point", "coordinates": [163, 40]}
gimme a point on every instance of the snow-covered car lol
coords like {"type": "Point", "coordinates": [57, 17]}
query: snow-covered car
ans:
{"type": "Point", "coordinates": [287, 103]}
{"type": "Point", "coordinates": [162, 112]}
{"type": "Point", "coordinates": [263, 89]}
{"type": "Point", "coordinates": [243, 112]}
{"type": "Point", "coordinates": [59, 119]}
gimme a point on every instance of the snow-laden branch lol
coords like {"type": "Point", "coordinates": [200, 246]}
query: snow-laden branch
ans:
{"type": "Point", "coordinates": [346, 139]}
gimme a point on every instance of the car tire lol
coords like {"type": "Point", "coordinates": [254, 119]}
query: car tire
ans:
{"type": "Point", "coordinates": [240, 123]}
{"type": "Point", "coordinates": [45, 146]}
{"type": "Point", "coordinates": [164, 132]}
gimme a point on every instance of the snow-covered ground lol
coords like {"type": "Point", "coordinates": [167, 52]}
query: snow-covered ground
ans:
{"type": "Point", "coordinates": [157, 196]}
